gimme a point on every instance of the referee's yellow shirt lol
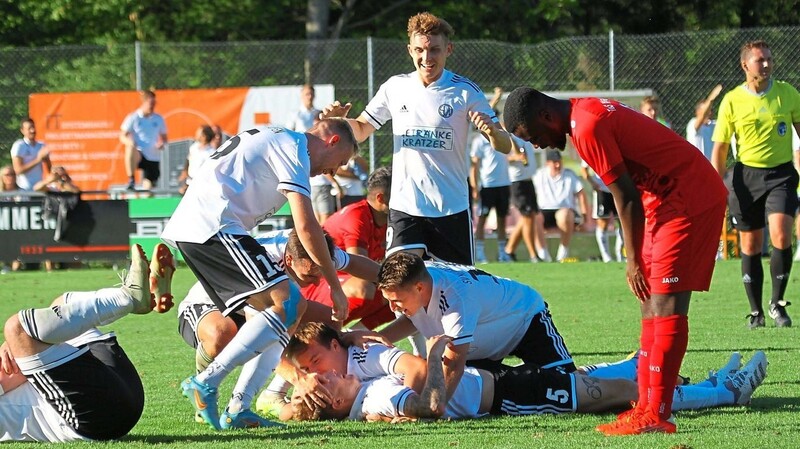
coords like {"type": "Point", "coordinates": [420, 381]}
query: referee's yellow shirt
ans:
{"type": "Point", "coordinates": [762, 123]}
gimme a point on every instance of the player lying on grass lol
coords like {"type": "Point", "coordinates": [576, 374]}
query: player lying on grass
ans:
{"type": "Point", "coordinates": [64, 380]}
{"type": "Point", "coordinates": [522, 390]}
{"type": "Point", "coordinates": [204, 327]}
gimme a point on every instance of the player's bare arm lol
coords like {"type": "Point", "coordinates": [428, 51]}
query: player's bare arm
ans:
{"type": "Point", "coordinates": [363, 267]}
{"type": "Point", "coordinates": [432, 402]}
{"type": "Point", "coordinates": [453, 362]}
{"type": "Point", "coordinates": [361, 128]}
{"type": "Point", "coordinates": [631, 216]}
{"type": "Point", "coordinates": [414, 371]}
{"type": "Point", "coordinates": [398, 329]}
{"type": "Point", "coordinates": [311, 236]}
{"type": "Point", "coordinates": [719, 156]}
{"type": "Point", "coordinates": [497, 136]}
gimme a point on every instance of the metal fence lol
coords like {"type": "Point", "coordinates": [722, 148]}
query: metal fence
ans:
{"type": "Point", "coordinates": [680, 67]}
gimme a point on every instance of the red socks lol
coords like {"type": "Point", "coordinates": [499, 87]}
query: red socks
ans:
{"type": "Point", "coordinates": [664, 358]}
{"type": "Point", "coordinates": [643, 366]}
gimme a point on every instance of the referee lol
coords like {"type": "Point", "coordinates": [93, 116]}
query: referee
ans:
{"type": "Point", "coordinates": [764, 182]}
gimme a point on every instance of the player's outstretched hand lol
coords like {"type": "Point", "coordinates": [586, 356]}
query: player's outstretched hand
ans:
{"type": "Point", "coordinates": [637, 282]}
{"type": "Point", "coordinates": [335, 109]}
{"type": "Point", "coordinates": [437, 345]}
{"type": "Point", "coordinates": [482, 121]}
{"type": "Point", "coordinates": [312, 390]}
{"type": "Point", "coordinates": [7, 362]}
{"type": "Point", "coordinates": [340, 305]}
{"type": "Point", "coordinates": [362, 338]}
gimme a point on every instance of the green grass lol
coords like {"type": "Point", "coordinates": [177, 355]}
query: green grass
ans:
{"type": "Point", "coordinates": [593, 310]}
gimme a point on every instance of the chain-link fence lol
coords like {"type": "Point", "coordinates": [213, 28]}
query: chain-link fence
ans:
{"type": "Point", "coordinates": [681, 68]}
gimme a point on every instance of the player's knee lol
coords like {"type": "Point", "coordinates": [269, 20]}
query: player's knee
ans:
{"type": "Point", "coordinates": [13, 329]}
{"type": "Point", "coordinates": [214, 336]}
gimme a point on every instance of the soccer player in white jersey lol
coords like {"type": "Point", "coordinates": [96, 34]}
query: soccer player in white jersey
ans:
{"type": "Point", "coordinates": [431, 111]}
{"type": "Point", "coordinates": [488, 317]}
{"type": "Point", "coordinates": [61, 379]}
{"type": "Point", "coordinates": [245, 181]}
{"type": "Point", "coordinates": [521, 390]}
{"type": "Point", "coordinates": [203, 327]}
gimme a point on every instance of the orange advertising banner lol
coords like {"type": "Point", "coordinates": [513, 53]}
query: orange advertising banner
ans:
{"type": "Point", "coordinates": [82, 129]}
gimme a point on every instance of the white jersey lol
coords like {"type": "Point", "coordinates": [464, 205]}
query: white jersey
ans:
{"type": "Point", "coordinates": [701, 138]}
{"type": "Point", "coordinates": [198, 154]}
{"type": "Point", "coordinates": [274, 242]}
{"type": "Point", "coordinates": [22, 148]}
{"type": "Point", "coordinates": [304, 119]}
{"type": "Point", "coordinates": [492, 165]}
{"type": "Point", "coordinates": [472, 306]}
{"type": "Point", "coordinates": [145, 132]}
{"type": "Point", "coordinates": [241, 184]}
{"type": "Point", "coordinates": [597, 180]}
{"type": "Point", "coordinates": [556, 192]}
{"type": "Point", "coordinates": [430, 126]}
{"type": "Point", "coordinates": [375, 361]}
{"type": "Point", "coordinates": [517, 171]}
{"type": "Point", "coordinates": [387, 396]}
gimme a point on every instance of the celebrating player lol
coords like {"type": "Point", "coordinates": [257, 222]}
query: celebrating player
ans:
{"type": "Point", "coordinates": [245, 181]}
{"type": "Point", "coordinates": [431, 110]}
{"type": "Point", "coordinates": [670, 231]}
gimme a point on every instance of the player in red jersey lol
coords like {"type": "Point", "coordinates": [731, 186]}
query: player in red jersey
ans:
{"type": "Point", "coordinates": [671, 207]}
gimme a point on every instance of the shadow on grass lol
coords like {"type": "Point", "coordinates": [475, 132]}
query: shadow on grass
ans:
{"type": "Point", "coordinates": [743, 350]}
{"type": "Point", "coordinates": [286, 434]}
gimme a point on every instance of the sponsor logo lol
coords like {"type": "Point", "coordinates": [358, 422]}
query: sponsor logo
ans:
{"type": "Point", "coordinates": [24, 218]}
{"type": "Point", "coordinates": [782, 129]}
{"type": "Point", "coordinates": [198, 401]}
{"type": "Point", "coordinates": [445, 110]}
{"type": "Point", "coordinates": [670, 280]}
{"type": "Point", "coordinates": [425, 138]}
{"type": "Point", "coordinates": [404, 109]}
{"type": "Point", "coordinates": [746, 279]}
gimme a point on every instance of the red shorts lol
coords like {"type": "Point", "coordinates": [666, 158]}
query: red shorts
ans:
{"type": "Point", "coordinates": [372, 312]}
{"type": "Point", "coordinates": [679, 255]}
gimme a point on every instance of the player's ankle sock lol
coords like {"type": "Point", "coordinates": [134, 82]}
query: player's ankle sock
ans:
{"type": "Point", "coordinates": [693, 397]}
{"type": "Point", "coordinates": [602, 243]}
{"type": "Point", "coordinates": [563, 252]}
{"type": "Point", "coordinates": [643, 367]}
{"type": "Point", "coordinates": [671, 338]}
{"type": "Point", "coordinates": [501, 247]}
{"type": "Point", "coordinates": [544, 254]}
{"type": "Point", "coordinates": [753, 279]}
{"type": "Point", "coordinates": [253, 376]}
{"type": "Point", "coordinates": [258, 332]}
{"type": "Point", "coordinates": [780, 266]}
{"type": "Point", "coordinates": [201, 359]}
{"type": "Point", "coordinates": [618, 245]}
{"type": "Point", "coordinates": [80, 312]}
{"type": "Point", "coordinates": [624, 369]}
{"type": "Point", "coordinates": [278, 386]}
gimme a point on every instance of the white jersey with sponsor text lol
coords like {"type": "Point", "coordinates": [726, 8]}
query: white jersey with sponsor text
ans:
{"type": "Point", "coordinates": [241, 184]}
{"type": "Point", "coordinates": [430, 126]}
{"type": "Point", "coordinates": [387, 396]}
{"type": "Point", "coordinates": [490, 313]}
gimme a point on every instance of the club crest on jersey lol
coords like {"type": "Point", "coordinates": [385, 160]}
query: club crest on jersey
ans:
{"type": "Point", "coordinates": [782, 129]}
{"type": "Point", "coordinates": [276, 129]}
{"type": "Point", "coordinates": [445, 110]}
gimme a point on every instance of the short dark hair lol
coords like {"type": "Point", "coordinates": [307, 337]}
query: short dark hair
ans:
{"type": "Point", "coordinates": [312, 332]}
{"type": "Point", "coordinates": [401, 269]}
{"type": "Point", "coordinates": [147, 94]}
{"type": "Point", "coordinates": [26, 120]}
{"type": "Point", "coordinates": [749, 46]}
{"type": "Point", "coordinates": [521, 105]}
{"type": "Point", "coordinates": [296, 249]}
{"type": "Point", "coordinates": [380, 179]}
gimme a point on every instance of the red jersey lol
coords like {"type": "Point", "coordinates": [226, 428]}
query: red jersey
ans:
{"type": "Point", "coordinates": [672, 176]}
{"type": "Point", "coordinates": [353, 226]}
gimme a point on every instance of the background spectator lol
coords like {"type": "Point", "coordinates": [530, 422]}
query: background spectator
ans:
{"type": "Point", "coordinates": [144, 134]}
{"type": "Point", "coordinates": [30, 158]}
{"type": "Point", "coordinates": [651, 107]}
{"type": "Point", "coordinates": [350, 179]}
{"type": "Point", "coordinates": [489, 175]}
{"type": "Point", "coordinates": [199, 151]}
{"type": "Point", "coordinates": [701, 127]}
{"type": "Point", "coordinates": [521, 168]}
{"type": "Point", "coordinates": [559, 192]}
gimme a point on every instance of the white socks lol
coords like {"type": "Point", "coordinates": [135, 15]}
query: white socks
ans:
{"type": "Point", "coordinates": [258, 333]}
{"type": "Point", "coordinates": [563, 252]}
{"type": "Point", "coordinates": [253, 376]}
{"type": "Point", "coordinates": [602, 243]}
{"type": "Point", "coordinates": [80, 312]}
{"type": "Point", "coordinates": [279, 386]}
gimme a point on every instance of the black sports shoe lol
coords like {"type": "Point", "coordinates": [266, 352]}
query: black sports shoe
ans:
{"type": "Point", "coordinates": [777, 311]}
{"type": "Point", "coordinates": [756, 320]}
{"type": "Point", "coordinates": [130, 187]}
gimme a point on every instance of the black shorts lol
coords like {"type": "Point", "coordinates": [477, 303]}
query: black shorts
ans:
{"type": "Point", "coordinates": [151, 170]}
{"type": "Point", "coordinates": [756, 192]}
{"type": "Point", "coordinates": [447, 238]}
{"type": "Point", "coordinates": [530, 390]}
{"type": "Point", "coordinates": [604, 205]}
{"type": "Point", "coordinates": [523, 197]}
{"type": "Point", "coordinates": [541, 345]}
{"type": "Point", "coordinates": [99, 393]}
{"type": "Point", "coordinates": [190, 318]}
{"type": "Point", "coordinates": [231, 268]}
{"type": "Point", "coordinates": [496, 198]}
{"type": "Point", "coordinates": [549, 216]}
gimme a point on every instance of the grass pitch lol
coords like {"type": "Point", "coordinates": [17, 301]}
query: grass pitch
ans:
{"type": "Point", "coordinates": [593, 310]}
